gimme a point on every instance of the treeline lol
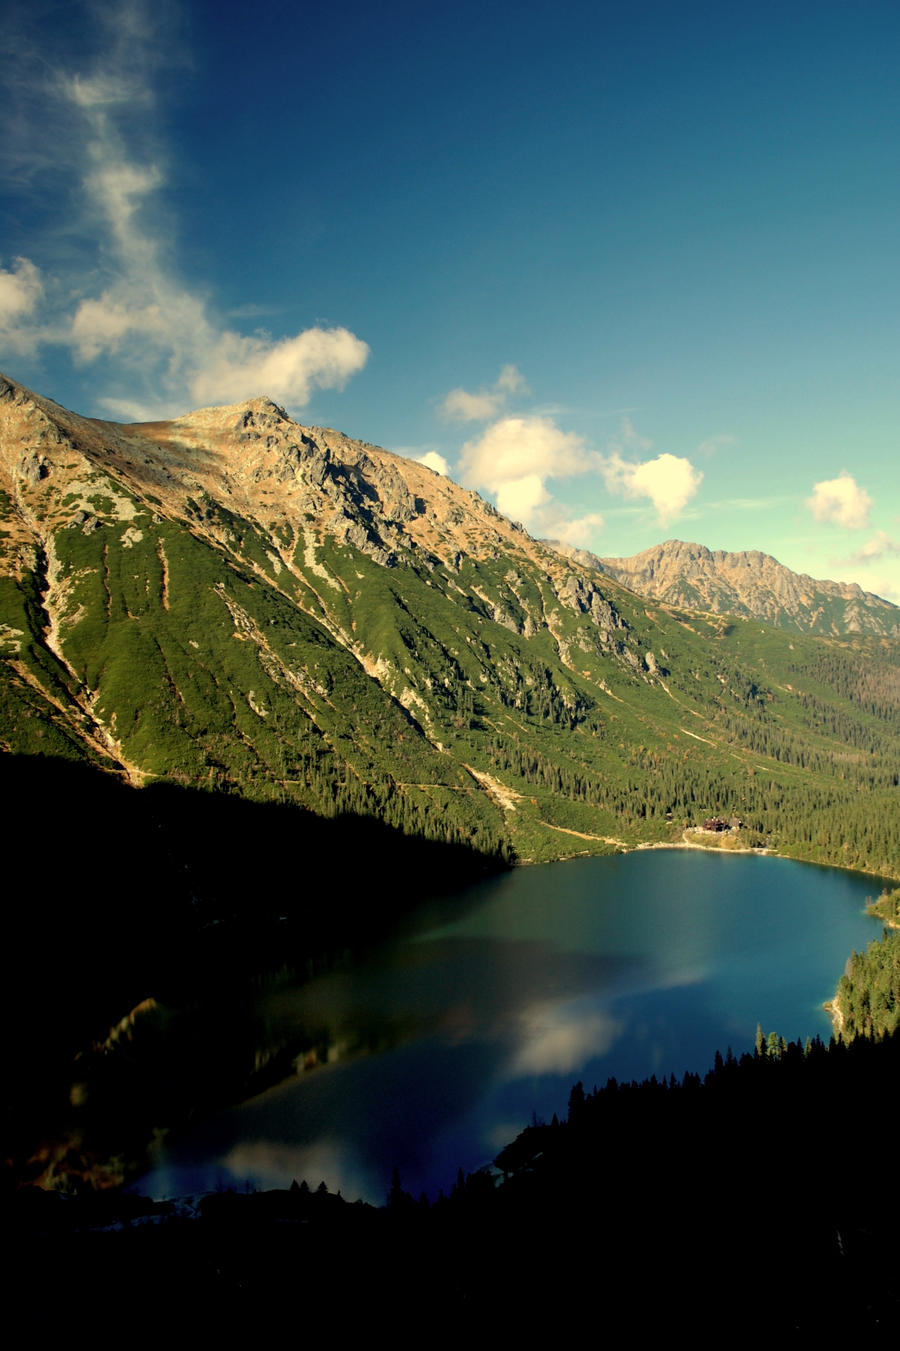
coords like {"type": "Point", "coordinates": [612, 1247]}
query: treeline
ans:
{"type": "Point", "coordinates": [869, 761]}
{"type": "Point", "coordinates": [532, 766]}
{"type": "Point", "coordinates": [865, 679]}
{"type": "Point", "coordinates": [332, 787]}
{"type": "Point", "coordinates": [868, 993]}
{"type": "Point", "coordinates": [831, 720]}
{"type": "Point", "coordinates": [887, 907]}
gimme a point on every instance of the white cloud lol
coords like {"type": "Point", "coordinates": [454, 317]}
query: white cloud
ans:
{"type": "Point", "coordinates": [165, 346]}
{"type": "Point", "coordinates": [520, 498]}
{"type": "Point", "coordinates": [129, 410]}
{"type": "Point", "coordinates": [461, 406]}
{"type": "Point", "coordinates": [104, 324]}
{"type": "Point", "coordinates": [557, 1039]}
{"type": "Point", "coordinates": [20, 290]}
{"type": "Point", "coordinates": [517, 457]}
{"type": "Point", "coordinates": [433, 460]}
{"type": "Point", "coordinates": [669, 481]}
{"type": "Point", "coordinates": [20, 293]}
{"type": "Point", "coordinates": [238, 368]}
{"type": "Point", "coordinates": [514, 457]}
{"type": "Point", "coordinates": [119, 190]}
{"type": "Point", "coordinates": [630, 438]}
{"type": "Point", "coordinates": [518, 446]}
{"type": "Point", "coordinates": [96, 91]}
{"type": "Point", "coordinates": [842, 501]}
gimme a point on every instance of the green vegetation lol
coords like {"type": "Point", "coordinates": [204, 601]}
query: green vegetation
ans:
{"type": "Point", "coordinates": [867, 1000]}
{"type": "Point", "coordinates": [867, 1003]}
{"type": "Point", "coordinates": [887, 907]}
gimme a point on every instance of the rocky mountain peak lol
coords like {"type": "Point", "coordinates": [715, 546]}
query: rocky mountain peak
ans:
{"type": "Point", "coordinates": [752, 584]}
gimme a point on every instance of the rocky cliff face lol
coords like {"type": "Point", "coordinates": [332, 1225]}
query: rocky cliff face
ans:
{"type": "Point", "coordinates": [292, 483]}
{"type": "Point", "coordinates": [751, 584]}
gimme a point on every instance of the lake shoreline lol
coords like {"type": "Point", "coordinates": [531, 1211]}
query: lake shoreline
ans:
{"type": "Point", "coordinates": [708, 848]}
{"type": "Point", "coordinates": [833, 1008]}
{"type": "Point", "coordinates": [764, 851]}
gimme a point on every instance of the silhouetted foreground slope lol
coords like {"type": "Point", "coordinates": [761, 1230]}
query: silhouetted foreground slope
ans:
{"type": "Point", "coordinates": [751, 1202]}
{"type": "Point", "coordinates": [116, 897]}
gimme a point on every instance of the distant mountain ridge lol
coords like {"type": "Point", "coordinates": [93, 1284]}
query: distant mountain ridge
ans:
{"type": "Point", "coordinates": [751, 584]}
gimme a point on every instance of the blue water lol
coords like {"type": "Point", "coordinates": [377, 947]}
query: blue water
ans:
{"type": "Point", "coordinates": [449, 1039]}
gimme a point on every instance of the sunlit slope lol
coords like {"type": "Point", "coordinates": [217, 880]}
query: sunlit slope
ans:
{"type": "Point", "coordinates": [231, 600]}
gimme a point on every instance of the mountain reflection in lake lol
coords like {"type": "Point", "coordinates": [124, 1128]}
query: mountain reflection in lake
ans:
{"type": "Point", "coordinates": [439, 1047]}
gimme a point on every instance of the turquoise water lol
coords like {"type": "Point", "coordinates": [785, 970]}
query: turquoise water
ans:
{"type": "Point", "coordinates": [484, 1012]}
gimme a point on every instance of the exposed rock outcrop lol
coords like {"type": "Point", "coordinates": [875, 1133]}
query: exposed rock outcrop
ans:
{"type": "Point", "coordinates": [750, 584]}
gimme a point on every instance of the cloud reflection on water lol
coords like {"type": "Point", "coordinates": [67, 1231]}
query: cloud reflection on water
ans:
{"type": "Point", "coordinates": [558, 1038]}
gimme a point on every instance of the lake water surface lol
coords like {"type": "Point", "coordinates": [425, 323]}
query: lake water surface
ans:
{"type": "Point", "coordinates": [447, 1040]}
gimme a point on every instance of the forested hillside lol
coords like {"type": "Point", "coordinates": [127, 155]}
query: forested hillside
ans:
{"type": "Point", "coordinates": [867, 1000]}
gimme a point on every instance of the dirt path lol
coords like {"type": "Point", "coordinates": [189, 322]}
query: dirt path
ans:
{"type": "Point", "coordinates": [579, 835]}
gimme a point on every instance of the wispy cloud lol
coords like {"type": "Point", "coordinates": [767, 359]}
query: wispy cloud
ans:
{"type": "Point", "coordinates": [21, 289]}
{"type": "Point", "coordinates": [749, 503]}
{"type": "Point", "coordinates": [713, 444]}
{"type": "Point", "coordinates": [579, 531]}
{"type": "Point", "coordinates": [874, 550]}
{"type": "Point", "coordinates": [842, 501]}
{"type": "Point", "coordinates": [157, 336]}
{"type": "Point", "coordinates": [461, 406]}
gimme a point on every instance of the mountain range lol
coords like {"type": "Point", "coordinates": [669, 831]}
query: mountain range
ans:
{"type": "Point", "coordinates": [232, 602]}
{"type": "Point", "coordinates": [750, 584]}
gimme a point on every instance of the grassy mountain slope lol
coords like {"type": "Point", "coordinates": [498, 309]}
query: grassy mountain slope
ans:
{"type": "Point", "coordinates": [231, 601]}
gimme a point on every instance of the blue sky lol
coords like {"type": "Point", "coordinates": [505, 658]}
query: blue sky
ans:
{"type": "Point", "coordinates": [631, 271]}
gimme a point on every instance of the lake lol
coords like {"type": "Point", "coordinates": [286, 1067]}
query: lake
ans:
{"type": "Point", "coordinates": [438, 1047]}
